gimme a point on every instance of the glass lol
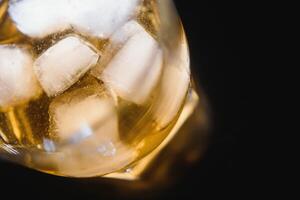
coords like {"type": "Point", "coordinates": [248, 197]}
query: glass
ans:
{"type": "Point", "coordinates": [94, 88]}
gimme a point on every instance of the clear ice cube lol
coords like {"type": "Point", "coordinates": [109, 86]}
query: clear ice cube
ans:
{"type": "Point", "coordinates": [135, 67]}
{"type": "Point", "coordinates": [170, 101]}
{"type": "Point", "coordinates": [17, 80]}
{"type": "Point", "coordinates": [64, 64]}
{"type": "Point", "coordinates": [100, 18]}
{"type": "Point", "coordinates": [85, 123]}
{"type": "Point", "coordinates": [76, 119]}
{"type": "Point", "coordinates": [176, 75]}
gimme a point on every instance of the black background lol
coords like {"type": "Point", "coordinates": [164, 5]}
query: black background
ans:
{"type": "Point", "coordinates": [216, 38]}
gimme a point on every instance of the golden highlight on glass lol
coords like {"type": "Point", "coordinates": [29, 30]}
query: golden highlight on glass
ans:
{"type": "Point", "coordinates": [89, 88]}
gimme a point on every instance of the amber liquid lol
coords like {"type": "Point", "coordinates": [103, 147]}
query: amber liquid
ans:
{"type": "Point", "coordinates": [28, 124]}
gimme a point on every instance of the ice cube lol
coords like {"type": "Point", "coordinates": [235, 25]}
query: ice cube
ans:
{"type": "Point", "coordinates": [79, 118]}
{"type": "Point", "coordinates": [38, 18]}
{"type": "Point", "coordinates": [63, 64]}
{"type": "Point", "coordinates": [135, 68]}
{"type": "Point", "coordinates": [174, 86]}
{"type": "Point", "coordinates": [17, 80]}
{"type": "Point", "coordinates": [83, 112]}
{"type": "Point", "coordinates": [85, 122]}
{"type": "Point", "coordinates": [100, 17]}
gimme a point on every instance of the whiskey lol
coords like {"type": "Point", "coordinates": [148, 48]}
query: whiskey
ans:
{"type": "Point", "coordinates": [82, 94]}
